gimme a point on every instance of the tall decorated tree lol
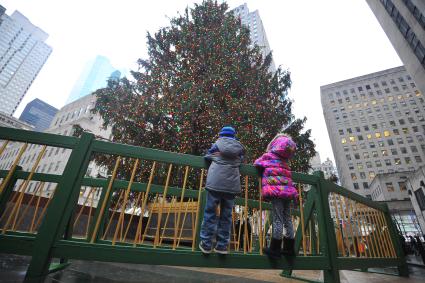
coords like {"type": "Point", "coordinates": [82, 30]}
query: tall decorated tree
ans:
{"type": "Point", "coordinates": [202, 72]}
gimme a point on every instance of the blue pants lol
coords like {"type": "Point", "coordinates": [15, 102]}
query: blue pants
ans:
{"type": "Point", "coordinates": [209, 224]}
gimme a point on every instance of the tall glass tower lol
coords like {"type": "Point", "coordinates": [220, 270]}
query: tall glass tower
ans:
{"type": "Point", "coordinates": [23, 52]}
{"type": "Point", "coordinates": [94, 76]}
{"type": "Point", "coordinates": [38, 114]}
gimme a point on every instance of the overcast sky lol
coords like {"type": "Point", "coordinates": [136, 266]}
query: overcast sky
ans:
{"type": "Point", "coordinates": [320, 42]}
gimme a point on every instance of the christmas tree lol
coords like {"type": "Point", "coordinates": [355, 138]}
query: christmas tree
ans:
{"type": "Point", "coordinates": [202, 72]}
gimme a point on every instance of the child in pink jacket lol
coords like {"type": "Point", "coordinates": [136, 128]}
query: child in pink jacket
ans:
{"type": "Point", "coordinates": [278, 188]}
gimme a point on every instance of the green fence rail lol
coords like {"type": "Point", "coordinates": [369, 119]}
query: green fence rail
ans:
{"type": "Point", "coordinates": [149, 209]}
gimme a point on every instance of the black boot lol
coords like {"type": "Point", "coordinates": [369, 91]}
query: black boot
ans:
{"type": "Point", "coordinates": [273, 252]}
{"type": "Point", "coordinates": [288, 246]}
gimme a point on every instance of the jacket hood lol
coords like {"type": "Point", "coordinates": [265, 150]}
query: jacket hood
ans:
{"type": "Point", "coordinates": [283, 146]}
{"type": "Point", "coordinates": [229, 147]}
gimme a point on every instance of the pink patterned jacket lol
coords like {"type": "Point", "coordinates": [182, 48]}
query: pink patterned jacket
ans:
{"type": "Point", "coordinates": [277, 177]}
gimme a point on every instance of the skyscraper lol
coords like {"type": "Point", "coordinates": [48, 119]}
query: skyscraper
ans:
{"type": "Point", "coordinates": [94, 76]}
{"type": "Point", "coordinates": [253, 21]}
{"type": "Point", "coordinates": [39, 114]}
{"type": "Point", "coordinates": [376, 125]}
{"type": "Point", "coordinates": [23, 52]}
{"type": "Point", "coordinates": [404, 23]}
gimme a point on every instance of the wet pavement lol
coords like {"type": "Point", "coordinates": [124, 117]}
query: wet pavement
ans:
{"type": "Point", "coordinates": [12, 269]}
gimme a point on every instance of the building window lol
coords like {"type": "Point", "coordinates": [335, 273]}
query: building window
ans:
{"type": "Point", "coordinates": [407, 160]}
{"type": "Point", "coordinates": [353, 176]}
{"type": "Point", "coordinates": [390, 187]}
{"type": "Point", "coordinates": [343, 140]}
{"type": "Point", "coordinates": [388, 162]}
{"type": "Point", "coordinates": [420, 197]}
{"type": "Point", "coordinates": [374, 153]}
{"type": "Point", "coordinates": [360, 166]}
{"type": "Point", "coordinates": [402, 186]}
{"type": "Point", "coordinates": [369, 164]}
{"type": "Point", "coordinates": [365, 154]}
{"type": "Point", "coordinates": [397, 161]}
{"type": "Point", "coordinates": [413, 148]}
{"type": "Point", "coordinates": [57, 166]}
{"type": "Point", "coordinates": [365, 185]}
{"type": "Point", "coordinates": [356, 186]}
{"type": "Point", "coordinates": [348, 156]}
{"type": "Point", "coordinates": [371, 175]}
{"type": "Point", "coordinates": [418, 159]}
{"type": "Point", "coordinates": [357, 156]}
{"type": "Point", "coordinates": [372, 145]}
{"type": "Point", "coordinates": [362, 175]}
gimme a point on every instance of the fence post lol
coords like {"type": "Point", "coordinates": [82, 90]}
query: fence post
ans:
{"type": "Point", "coordinates": [5, 196]}
{"type": "Point", "coordinates": [403, 269]}
{"type": "Point", "coordinates": [60, 209]}
{"type": "Point", "coordinates": [203, 200]}
{"type": "Point", "coordinates": [326, 229]}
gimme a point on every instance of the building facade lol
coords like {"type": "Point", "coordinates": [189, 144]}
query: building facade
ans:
{"type": "Point", "coordinates": [416, 190]}
{"type": "Point", "coordinates": [94, 76]}
{"type": "Point", "coordinates": [55, 159]}
{"type": "Point", "coordinates": [390, 186]}
{"type": "Point", "coordinates": [327, 166]}
{"type": "Point", "coordinates": [392, 189]}
{"type": "Point", "coordinates": [12, 122]}
{"type": "Point", "coordinates": [404, 23]}
{"type": "Point", "coordinates": [38, 114]}
{"type": "Point", "coordinates": [253, 21]}
{"type": "Point", "coordinates": [23, 52]}
{"type": "Point", "coordinates": [376, 125]}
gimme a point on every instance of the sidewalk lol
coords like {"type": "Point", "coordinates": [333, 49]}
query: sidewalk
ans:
{"type": "Point", "coordinates": [12, 269]}
{"type": "Point", "coordinates": [415, 260]}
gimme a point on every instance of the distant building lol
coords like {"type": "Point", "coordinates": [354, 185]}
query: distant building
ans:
{"type": "Point", "coordinates": [327, 167]}
{"type": "Point", "coordinates": [376, 125]}
{"type": "Point", "coordinates": [404, 24]}
{"type": "Point", "coordinates": [12, 122]}
{"type": "Point", "coordinates": [55, 159]}
{"type": "Point", "coordinates": [39, 114]}
{"type": "Point", "coordinates": [253, 21]}
{"type": "Point", "coordinates": [94, 76]}
{"type": "Point", "coordinates": [392, 189]}
{"type": "Point", "coordinates": [23, 52]}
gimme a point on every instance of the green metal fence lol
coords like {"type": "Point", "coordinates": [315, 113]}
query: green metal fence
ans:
{"type": "Point", "coordinates": [149, 210]}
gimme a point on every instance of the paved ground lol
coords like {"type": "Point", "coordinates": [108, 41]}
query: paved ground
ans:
{"type": "Point", "coordinates": [12, 269]}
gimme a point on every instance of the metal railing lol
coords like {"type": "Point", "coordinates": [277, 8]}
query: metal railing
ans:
{"type": "Point", "coordinates": [149, 210]}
